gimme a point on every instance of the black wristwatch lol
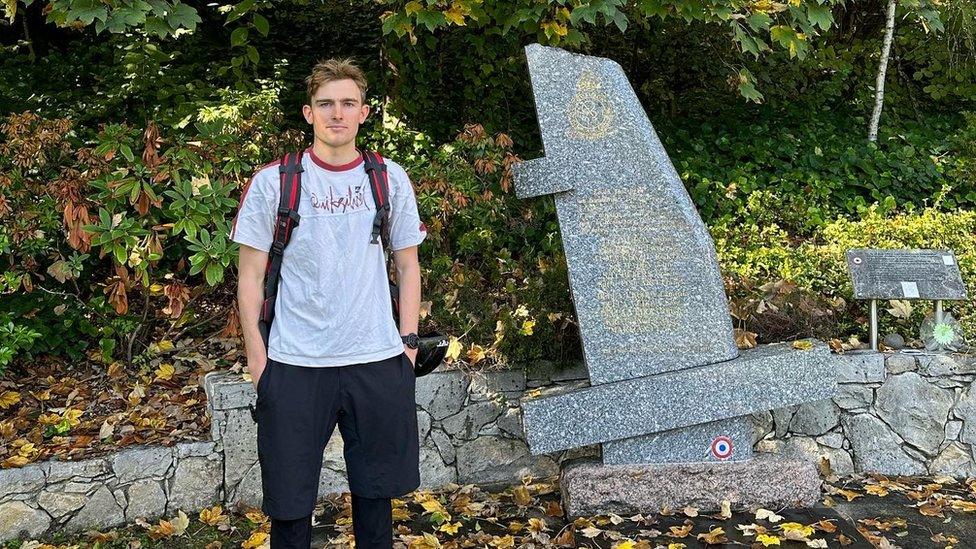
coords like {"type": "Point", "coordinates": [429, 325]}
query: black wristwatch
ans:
{"type": "Point", "coordinates": [411, 340]}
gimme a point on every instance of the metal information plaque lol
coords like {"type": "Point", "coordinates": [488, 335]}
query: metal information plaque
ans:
{"type": "Point", "coordinates": [905, 274]}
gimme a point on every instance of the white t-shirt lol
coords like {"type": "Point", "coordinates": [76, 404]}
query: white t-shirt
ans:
{"type": "Point", "coordinates": [333, 306]}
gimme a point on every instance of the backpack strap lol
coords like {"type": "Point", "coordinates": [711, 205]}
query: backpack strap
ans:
{"type": "Point", "coordinates": [379, 183]}
{"type": "Point", "coordinates": [290, 171]}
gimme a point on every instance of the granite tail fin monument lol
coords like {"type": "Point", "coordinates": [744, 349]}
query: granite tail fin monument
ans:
{"type": "Point", "coordinates": [669, 391]}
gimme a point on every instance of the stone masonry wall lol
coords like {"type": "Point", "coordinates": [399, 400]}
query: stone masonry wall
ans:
{"type": "Point", "coordinates": [894, 413]}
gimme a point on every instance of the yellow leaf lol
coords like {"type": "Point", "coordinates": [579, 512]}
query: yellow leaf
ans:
{"type": "Point", "coordinates": [256, 516]}
{"type": "Point", "coordinates": [413, 7]}
{"type": "Point", "coordinates": [714, 537]}
{"type": "Point", "coordinates": [8, 399]}
{"type": "Point", "coordinates": [744, 339]}
{"type": "Point", "coordinates": [676, 546]}
{"type": "Point", "coordinates": [455, 16]}
{"type": "Point", "coordinates": [625, 544]}
{"type": "Point", "coordinates": [433, 506]}
{"type": "Point", "coordinates": [180, 523]}
{"type": "Point", "coordinates": [73, 417]}
{"type": "Point", "coordinates": [876, 489]}
{"type": "Point", "coordinates": [165, 345]}
{"type": "Point", "coordinates": [256, 540]}
{"type": "Point", "coordinates": [767, 540]}
{"type": "Point", "coordinates": [453, 349]}
{"type": "Point", "coordinates": [967, 506]}
{"type": "Point", "coordinates": [450, 528]}
{"type": "Point", "coordinates": [537, 525]}
{"type": "Point", "coordinates": [476, 354]}
{"type": "Point", "coordinates": [521, 496]}
{"type": "Point", "coordinates": [501, 542]}
{"type": "Point", "coordinates": [48, 419]}
{"type": "Point", "coordinates": [165, 371]}
{"type": "Point", "coordinates": [726, 513]}
{"type": "Point", "coordinates": [212, 515]}
{"type": "Point", "coordinates": [766, 514]}
{"type": "Point", "coordinates": [795, 531]}
{"type": "Point", "coordinates": [803, 345]}
{"type": "Point", "coordinates": [527, 326]}
{"type": "Point", "coordinates": [15, 461]}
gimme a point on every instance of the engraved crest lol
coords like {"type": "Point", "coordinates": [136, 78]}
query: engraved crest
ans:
{"type": "Point", "coordinates": [590, 112]}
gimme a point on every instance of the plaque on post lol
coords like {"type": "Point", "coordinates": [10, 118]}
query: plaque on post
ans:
{"type": "Point", "coordinates": [911, 274]}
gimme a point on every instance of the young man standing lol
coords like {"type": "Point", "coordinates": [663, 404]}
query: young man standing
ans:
{"type": "Point", "coordinates": [334, 353]}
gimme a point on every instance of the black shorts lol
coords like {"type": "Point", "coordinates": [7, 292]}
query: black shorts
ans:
{"type": "Point", "coordinates": [297, 410]}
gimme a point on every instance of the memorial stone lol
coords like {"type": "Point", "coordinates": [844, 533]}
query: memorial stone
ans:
{"type": "Point", "coordinates": [667, 383]}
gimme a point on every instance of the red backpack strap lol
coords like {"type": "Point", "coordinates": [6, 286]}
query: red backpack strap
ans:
{"type": "Point", "coordinates": [379, 183]}
{"type": "Point", "coordinates": [290, 171]}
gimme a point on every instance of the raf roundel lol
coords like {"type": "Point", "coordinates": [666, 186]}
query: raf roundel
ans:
{"type": "Point", "coordinates": [722, 447]}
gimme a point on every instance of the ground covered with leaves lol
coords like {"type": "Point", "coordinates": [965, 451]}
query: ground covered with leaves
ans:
{"type": "Point", "coordinates": [77, 411]}
{"type": "Point", "coordinates": [856, 512]}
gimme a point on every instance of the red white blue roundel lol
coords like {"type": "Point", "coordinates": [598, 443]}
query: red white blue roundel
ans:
{"type": "Point", "coordinates": [722, 447]}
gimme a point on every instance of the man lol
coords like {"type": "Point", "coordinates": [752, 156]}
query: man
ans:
{"type": "Point", "coordinates": [334, 352]}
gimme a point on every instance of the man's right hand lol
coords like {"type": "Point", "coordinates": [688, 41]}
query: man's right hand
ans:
{"type": "Point", "coordinates": [256, 371]}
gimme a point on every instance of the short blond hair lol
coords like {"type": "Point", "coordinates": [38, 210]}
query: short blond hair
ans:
{"type": "Point", "coordinates": [330, 70]}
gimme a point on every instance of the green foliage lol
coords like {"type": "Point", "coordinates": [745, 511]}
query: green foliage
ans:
{"type": "Point", "coordinates": [14, 339]}
{"type": "Point", "coordinates": [749, 253]}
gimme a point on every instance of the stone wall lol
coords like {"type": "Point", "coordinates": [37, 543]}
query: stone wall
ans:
{"type": "Point", "coordinates": [470, 429]}
{"type": "Point", "coordinates": [894, 413]}
{"type": "Point", "coordinates": [100, 493]}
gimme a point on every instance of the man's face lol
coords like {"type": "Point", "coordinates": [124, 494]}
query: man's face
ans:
{"type": "Point", "coordinates": [336, 112]}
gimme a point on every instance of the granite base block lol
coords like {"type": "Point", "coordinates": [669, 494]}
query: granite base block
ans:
{"type": "Point", "coordinates": [764, 378]}
{"type": "Point", "coordinates": [590, 488]}
{"type": "Point", "coordinates": [724, 440]}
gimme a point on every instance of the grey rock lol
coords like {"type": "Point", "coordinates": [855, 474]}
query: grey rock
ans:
{"type": "Point", "coordinates": [940, 365]}
{"type": "Point", "coordinates": [915, 409]}
{"type": "Point", "coordinates": [59, 504]}
{"type": "Point", "coordinates": [239, 438]}
{"type": "Point", "coordinates": [195, 484]}
{"type": "Point", "coordinates": [248, 491]}
{"type": "Point", "coordinates": [434, 473]}
{"type": "Point", "coordinates": [19, 519]}
{"type": "Point", "coordinates": [953, 429]}
{"type": "Point", "coordinates": [58, 471]}
{"type": "Point", "coordinates": [806, 449]}
{"type": "Point", "coordinates": [331, 483]}
{"type": "Point", "coordinates": [441, 394]}
{"type": "Point", "coordinates": [782, 417]}
{"type": "Point", "coordinates": [195, 449]}
{"type": "Point", "coordinates": [141, 462]}
{"type": "Point", "coordinates": [146, 500]}
{"type": "Point", "coordinates": [226, 390]}
{"type": "Point", "coordinates": [490, 384]}
{"type": "Point", "coordinates": [444, 445]}
{"type": "Point", "coordinates": [899, 363]}
{"type": "Point", "coordinates": [101, 511]}
{"type": "Point", "coordinates": [966, 410]}
{"type": "Point", "coordinates": [468, 422]}
{"type": "Point", "coordinates": [570, 372]}
{"type": "Point", "coordinates": [852, 396]}
{"type": "Point", "coordinates": [876, 448]}
{"type": "Point", "coordinates": [27, 479]}
{"type": "Point", "coordinates": [954, 461]}
{"type": "Point", "coordinates": [510, 422]}
{"type": "Point", "coordinates": [333, 455]}
{"type": "Point", "coordinates": [894, 340]}
{"type": "Point", "coordinates": [723, 440]}
{"type": "Point", "coordinates": [832, 440]}
{"type": "Point", "coordinates": [423, 424]}
{"type": "Point", "coordinates": [739, 387]}
{"type": "Point", "coordinates": [766, 481]}
{"type": "Point", "coordinates": [860, 367]}
{"type": "Point", "coordinates": [815, 418]}
{"type": "Point", "coordinates": [762, 425]}
{"type": "Point", "coordinates": [493, 460]}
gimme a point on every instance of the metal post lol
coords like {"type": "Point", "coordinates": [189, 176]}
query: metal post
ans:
{"type": "Point", "coordinates": [874, 325]}
{"type": "Point", "coordinates": [938, 311]}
